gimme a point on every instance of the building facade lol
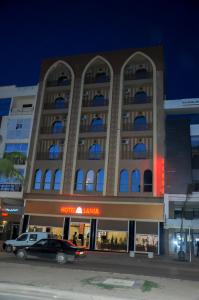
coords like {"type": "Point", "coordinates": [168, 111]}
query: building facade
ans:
{"type": "Point", "coordinates": [96, 162]}
{"type": "Point", "coordinates": [16, 115]}
{"type": "Point", "coordinates": [182, 176]}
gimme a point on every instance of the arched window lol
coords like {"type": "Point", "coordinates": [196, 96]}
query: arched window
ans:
{"type": "Point", "coordinates": [57, 180]}
{"type": "Point", "coordinates": [60, 102]}
{"type": "Point", "coordinates": [124, 181]}
{"type": "Point", "coordinates": [135, 178]}
{"type": "Point", "coordinates": [79, 180]}
{"type": "Point", "coordinates": [140, 123]}
{"type": "Point", "coordinates": [37, 180]}
{"type": "Point", "coordinates": [148, 178]}
{"type": "Point", "coordinates": [99, 100]}
{"type": "Point", "coordinates": [63, 80]}
{"type": "Point", "coordinates": [47, 180]}
{"type": "Point", "coordinates": [139, 151]}
{"type": "Point", "coordinates": [90, 181]}
{"type": "Point", "coordinates": [140, 97]}
{"type": "Point", "coordinates": [100, 180]}
{"type": "Point", "coordinates": [95, 151]}
{"type": "Point", "coordinates": [97, 124]}
{"type": "Point", "coordinates": [57, 127]}
{"type": "Point", "coordinates": [54, 152]}
{"type": "Point", "coordinates": [101, 77]}
{"type": "Point", "coordinates": [141, 73]}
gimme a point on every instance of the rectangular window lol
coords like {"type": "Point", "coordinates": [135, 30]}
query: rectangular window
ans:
{"type": "Point", "coordinates": [21, 148]}
{"type": "Point", "coordinates": [18, 128]}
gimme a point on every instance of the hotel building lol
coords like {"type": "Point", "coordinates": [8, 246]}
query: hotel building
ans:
{"type": "Point", "coordinates": [96, 161]}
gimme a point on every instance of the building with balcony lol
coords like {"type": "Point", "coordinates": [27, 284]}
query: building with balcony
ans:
{"type": "Point", "coordinates": [16, 115]}
{"type": "Point", "coordinates": [97, 151]}
{"type": "Point", "coordinates": [182, 175]}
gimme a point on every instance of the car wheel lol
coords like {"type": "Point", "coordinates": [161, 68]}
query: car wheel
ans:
{"type": "Point", "coordinates": [8, 248]}
{"type": "Point", "coordinates": [61, 258]}
{"type": "Point", "coordinates": [21, 254]}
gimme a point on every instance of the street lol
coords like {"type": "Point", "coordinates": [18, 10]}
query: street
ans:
{"type": "Point", "coordinates": [87, 278]}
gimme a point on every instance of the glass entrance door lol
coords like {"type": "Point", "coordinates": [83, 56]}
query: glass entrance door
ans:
{"type": "Point", "coordinates": [80, 232]}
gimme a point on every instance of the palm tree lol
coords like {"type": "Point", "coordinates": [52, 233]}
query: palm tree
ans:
{"type": "Point", "coordinates": [7, 169]}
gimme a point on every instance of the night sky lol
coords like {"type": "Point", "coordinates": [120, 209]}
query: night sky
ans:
{"type": "Point", "coordinates": [33, 30]}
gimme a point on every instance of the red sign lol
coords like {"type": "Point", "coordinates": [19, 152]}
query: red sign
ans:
{"type": "Point", "coordinates": [78, 210]}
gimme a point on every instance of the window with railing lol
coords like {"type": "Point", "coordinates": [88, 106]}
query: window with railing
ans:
{"type": "Point", "coordinates": [124, 181]}
{"type": "Point", "coordinates": [37, 180]}
{"type": "Point", "coordinates": [95, 151]}
{"type": "Point", "coordinates": [135, 181]}
{"type": "Point", "coordinates": [139, 151]}
{"type": "Point", "coordinates": [148, 181]}
{"type": "Point", "coordinates": [79, 180]}
{"type": "Point", "coordinates": [47, 180]}
{"type": "Point", "coordinates": [54, 152]}
{"type": "Point", "coordinates": [90, 181]}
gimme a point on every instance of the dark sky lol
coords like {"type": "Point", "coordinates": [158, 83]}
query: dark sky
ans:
{"type": "Point", "coordinates": [33, 30]}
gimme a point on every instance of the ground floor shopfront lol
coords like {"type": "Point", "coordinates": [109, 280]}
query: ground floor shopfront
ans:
{"type": "Point", "coordinates": [99, 226]}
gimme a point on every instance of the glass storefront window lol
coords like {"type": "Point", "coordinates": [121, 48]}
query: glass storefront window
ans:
{"type": "Point", "coordinates": [111, 240]}
{"type": "Point", "coordinates": [146, 242]}
{"type": "Point", "coordinates": [57, 232]}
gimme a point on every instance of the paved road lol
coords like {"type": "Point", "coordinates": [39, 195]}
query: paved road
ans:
{"type": "Point", "coordinates": [86, 277]}
{"type": "Point", "coordinates": [122, 263]}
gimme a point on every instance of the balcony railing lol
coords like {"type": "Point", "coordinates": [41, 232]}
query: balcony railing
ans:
{"type": "Point", "coordinates": [49, 130]}
{"type": "Point", "coordinates": [11, 187]}
{"type": "Point", "coordinates": [49, 156]}
{"type": "Point", "coordinates": [133, 100]}
{"type": "Point", "coordinates": [55, 106]}
{"type": "Point", "coordinates": [16, 160]}
{"type": "Point", "coordinates": [135, 156]}
{"type": "Point", "coordinates": [56, 83]}
{"type": "Point", "coordinates": [93, 129]}
{"type": "Point", "coordinates": [98, 79]}
{"type": "Point", "coordinates": [138, 127]}
{"type": "Point", "coordinates": [94, 103]}
{"type": "Point", "coordinates": [138, 76]}
{"type": "Point", "coordinates": [90, 156]}
{"type": "Point", "coordinates": [22, 111]}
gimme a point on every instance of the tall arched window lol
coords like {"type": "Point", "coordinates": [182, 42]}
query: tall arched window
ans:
{"type": "Point", "coordinates": [60, 102]}
{"type": "Point", "coordinates": [140, 123]}
{"type": "Point", "coordinates": [90, 181]}
{"type": "Point", "coordinates": [97, 124]}
{"type": "Point", "coordinates": [57, 127]}
{"type": "Point", "coordinates": [135, 181]}
{"type": "Point", "coordinates": [139, 151]}
{"type": "Point", "coordinates": [95, 151]}
{"type": "Point", "coordinates": [140, 97]}
{"type": "Point", "coordinates": [100, 181]}
{"type": "Point", "coordinates": [141, 73]}
{"type": "Point", "coordinates": [54, 152]}
{"type": "Point", "coordinates": [99, 100]}
{"type": "Point", "coordinates": [79, 180]}
{"type": "Point", "coordinates": [148, 179]}
{"type": "Point", "coordinates": [57, 180]}
{"type": "Point", "coordinates": [124, 181]}
{"type": "Point", "coordinates": [37, 180]}
{"type": "Point", "coordinates": [47, 180]}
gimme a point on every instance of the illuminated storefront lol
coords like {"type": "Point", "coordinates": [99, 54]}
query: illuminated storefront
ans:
{"type": "Point", "coordinates": [99, 226]}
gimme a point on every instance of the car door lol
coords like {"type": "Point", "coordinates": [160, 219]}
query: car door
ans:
{"type": "Point", "coordinates": [54, 246]}
{"type": "Point", "coordinates": [22, 240]}
{"type": "Point", "coordinates": [39, 249]}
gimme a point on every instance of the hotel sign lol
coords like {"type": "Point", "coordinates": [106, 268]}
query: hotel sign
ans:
{"type": "Point", "coordinates": [78, 210]}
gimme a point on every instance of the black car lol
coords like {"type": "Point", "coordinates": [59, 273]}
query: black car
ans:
{"type": "Point", "coordinates": [60, 250]}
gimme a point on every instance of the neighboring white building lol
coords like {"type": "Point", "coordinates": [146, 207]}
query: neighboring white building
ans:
{"type": "Point", "coordinates": [181, 197]}
{"type": "Point", "coordinates": [16, 115]}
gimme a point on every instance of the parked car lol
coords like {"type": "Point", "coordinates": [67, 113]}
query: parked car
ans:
{"type": "Point", "coordinates": [61, 251]}
{"type": "Point", "coordinates": [25, 239]}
